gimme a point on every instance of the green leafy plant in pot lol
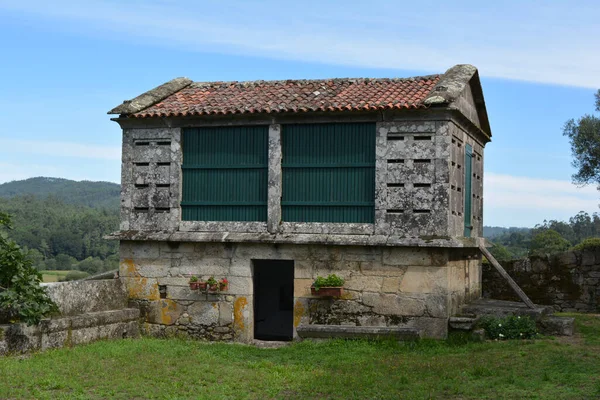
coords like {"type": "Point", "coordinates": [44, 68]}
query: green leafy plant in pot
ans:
{"type": "Point", "coordinates": [213, 284]}
{"type": "Point", "coordinates": [332, 286]}
{"type": "Point", "coordinates": [194, 283]}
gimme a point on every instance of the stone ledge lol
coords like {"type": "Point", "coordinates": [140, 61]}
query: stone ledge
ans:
{"type": "Point", "coordinates": [558, 326]}
{"type": "Point", "coordinates": [326, 239]}
{"type": "Point", "coordinates": [68, 331]}
{"type": "Point", "coordinates": [356, 332]}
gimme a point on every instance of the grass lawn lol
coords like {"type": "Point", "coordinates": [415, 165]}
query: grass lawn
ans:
{"type": "Point", "coordinates": [168, 369]}
{"type": "Point", "coordinates": [53, 276]}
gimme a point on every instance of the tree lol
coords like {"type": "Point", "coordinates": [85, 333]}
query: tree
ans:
{"type": "Point", "coordinates": [584, 136]}
{"type": "Point", "coordinates": [501, 253]}
{"type": "Point", "coordinates": [548, 242]}
{"type": "Point", "coordinates": [21, 296]}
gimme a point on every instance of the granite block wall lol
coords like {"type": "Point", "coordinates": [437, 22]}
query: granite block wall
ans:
{"type": "Point", "coordinates": [385, 286]}
{"type": "Point", "coordinates": [569, 281]}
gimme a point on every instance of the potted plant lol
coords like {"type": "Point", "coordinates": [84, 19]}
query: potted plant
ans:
{"type": "Point", "coordinates": [223, 285]}
{"type": "Point", "coordinates": [213, 284]}
{"type": "Point", "coordinates": [201, 285]}
{"type": "Point", "coordinates": [328, 287]}
{"type": "Point", "coordinates": [193, 282]}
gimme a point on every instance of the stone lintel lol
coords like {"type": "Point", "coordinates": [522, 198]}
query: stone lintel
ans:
{"type": "Point", "coordinates": [324, 239]}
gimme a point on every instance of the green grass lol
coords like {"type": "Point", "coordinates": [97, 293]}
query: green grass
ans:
{"type": "Point", "coordinates": [173, 369]}
{"type": "Point", "coordinates": [53, 276]}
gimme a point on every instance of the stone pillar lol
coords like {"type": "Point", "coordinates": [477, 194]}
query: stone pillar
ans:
{"type": "Point", "coordinates": [275, 185]}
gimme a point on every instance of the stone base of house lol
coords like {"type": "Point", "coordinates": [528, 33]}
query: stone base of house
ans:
{"type": "Point", "coordinates": [385, 286]}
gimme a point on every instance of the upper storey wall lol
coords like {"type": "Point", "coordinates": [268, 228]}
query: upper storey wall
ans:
{"type": "Point", "coordinates": [412, 193]}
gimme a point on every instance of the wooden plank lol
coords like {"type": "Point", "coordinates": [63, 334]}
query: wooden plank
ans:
{"type": "Point", "coordinates": [506, 276]}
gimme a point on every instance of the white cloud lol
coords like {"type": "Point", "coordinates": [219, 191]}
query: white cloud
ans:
{"type": "Point", "coordinates": [540, 41]}
{"type": "Point", "coordinates": [520, 201]}
{"type": "Point", "coordinates": [61, 149]}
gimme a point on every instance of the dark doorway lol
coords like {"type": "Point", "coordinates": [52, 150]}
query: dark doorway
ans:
{"type": "Point", "coordinates": [273, 299]}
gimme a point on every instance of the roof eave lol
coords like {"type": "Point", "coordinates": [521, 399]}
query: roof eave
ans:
{"type": "Point", "coordinates": [151, 97]}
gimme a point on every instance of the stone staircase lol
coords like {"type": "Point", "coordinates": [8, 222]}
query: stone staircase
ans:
{"type": "Point", "coordinates": [89, 311]}
{"type": "Point", "coordinates": [546, 322]}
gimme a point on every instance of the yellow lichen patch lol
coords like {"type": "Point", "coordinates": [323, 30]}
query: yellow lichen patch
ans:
{"type": "Point", "coordinates": [169, 312]}
{"type": "Point", "coordinates": [298, 313]}
{"type": "Point", "coordinates": [238, 313]}
{"type": "Point", "coordinates": [346, 296]}
{"type": "Point", "coordinates": [214, 305]}
{"type": "Point", "coordinates": [128, 268]}
{"type": "Point", "coordinates": [139, 288]}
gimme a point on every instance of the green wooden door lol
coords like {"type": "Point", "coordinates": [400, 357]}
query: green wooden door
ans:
{"type": "Point", "coordinates": [225, 173]}
{"type": "Point", "coordinates": [468, 189]}
{"type": "Point", "coordinates": [328, 172]}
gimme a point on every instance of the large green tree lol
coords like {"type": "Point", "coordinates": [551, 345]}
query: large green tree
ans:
{"type": "Point", "coordinates": [584, 135]}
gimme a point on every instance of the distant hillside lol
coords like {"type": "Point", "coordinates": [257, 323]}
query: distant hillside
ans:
{"type": "Point", "coordinates": [491, 232]}
{"type": "Point", "coordinates": [83, 193]}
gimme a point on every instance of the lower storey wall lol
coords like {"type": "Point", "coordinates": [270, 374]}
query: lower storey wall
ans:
{"type": "Point", "coordinates": [385, 286]}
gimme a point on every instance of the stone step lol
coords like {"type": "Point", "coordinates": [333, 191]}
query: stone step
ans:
{"type": "Point", "coordinates": [357, 332]}
{"type": "Point", "coordinates": [557, 326]}
{"type": "Point", "coordinates": [462, 323]}
{"type": "Point", "coordinates": [501, 308]}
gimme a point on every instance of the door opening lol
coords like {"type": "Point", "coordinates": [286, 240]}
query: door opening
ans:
{"type": "Point", "coordinates": [273, 299]}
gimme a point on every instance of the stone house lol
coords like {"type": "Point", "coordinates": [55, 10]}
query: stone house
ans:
{"type": "Point", "coordinates": [273, 183]}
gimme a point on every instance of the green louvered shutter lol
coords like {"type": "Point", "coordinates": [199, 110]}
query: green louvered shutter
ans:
{"type": "Point", "coordinates": [225, 174]}
{"type": "Point", "coordinates": [328, 172]}
{"type": "Point", "coordinates": [468, 191]}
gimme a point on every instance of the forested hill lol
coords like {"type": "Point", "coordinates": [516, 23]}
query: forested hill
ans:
{"type": "Point", "coordinates": [61, 223]}
{"type": "Point", "coordinates": [84, 193]}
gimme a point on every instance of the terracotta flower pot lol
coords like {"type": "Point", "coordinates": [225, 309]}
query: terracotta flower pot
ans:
{"type": "Point", "coordinates": [202, 286]}
{"type": "Point", "coordinates": [327, 291]}
{"type": "Point", "coordinates": [194, 285]}
{"type": "Point", "coordinates": [213, 288]}
{"type": "Point", "coordinates": [223, 287]}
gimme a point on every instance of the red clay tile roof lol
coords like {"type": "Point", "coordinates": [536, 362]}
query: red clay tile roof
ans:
{"type": "Point", "coordinates": [293, 96]}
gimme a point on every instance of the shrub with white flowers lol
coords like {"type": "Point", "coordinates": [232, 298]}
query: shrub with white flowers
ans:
{"type": "Point", "coordinates": [511, 327]}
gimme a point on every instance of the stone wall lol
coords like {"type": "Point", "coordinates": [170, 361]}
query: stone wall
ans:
{"type": "Point", "coordinates": [89, 310]}
{"type": "Point", "coordinates": [419, 178]}
{"type": "Point", "coordinates": [568, 281]}
{"type": "Point", "coordinates": [385, 286]}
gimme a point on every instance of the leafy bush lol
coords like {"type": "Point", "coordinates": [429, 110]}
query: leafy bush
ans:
{"type": "Point", "coordinates": [331, 281]}
{"type": "Point", "coordinates": [21, 296]}
{"type": "Point", "coordinates": [588, 243]}
{"type": "Point", "coordinates": [511, 327]}
{"type": "Point", "coordinates": [75, 275]}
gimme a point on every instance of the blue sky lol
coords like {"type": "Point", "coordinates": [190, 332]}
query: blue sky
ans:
{"type": "Point", "coordinates": [66, 63]}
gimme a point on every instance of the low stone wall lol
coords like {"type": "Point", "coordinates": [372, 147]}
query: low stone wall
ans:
{"type": "Point", "coordinates": [568, 281]}
{"type": "Point", "coordinates": [385, 286]}
{"type": "Point", "coordinates": [89, 310]}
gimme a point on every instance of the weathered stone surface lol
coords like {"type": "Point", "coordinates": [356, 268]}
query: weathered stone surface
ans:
{"type": "Point", "coordinates": [387, 304]}
{"type": "Point", "coordinates": [364, 283]}
{"type": "Point", "coordinates": [70, 330]}
{"type": "Point", "coordinates": [356, 332]}
{"type": "Point", "coordinates": [567, 281]}
{"type": "Point", "coordinates": [559, 326]}
{"type": "Point", "coordinates": [225, 313]}
{"type": "Point", "coordinates": [204, 313]}
{"type": "Point", "coordinates": [302, 287]}
{"type": "Point", "coordinates": [164, 311]}
{"type": "Point", "coordinates": [79, 297]}
{"type": "Point", "coordinates": [425, 280]}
